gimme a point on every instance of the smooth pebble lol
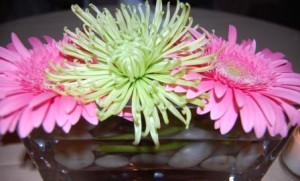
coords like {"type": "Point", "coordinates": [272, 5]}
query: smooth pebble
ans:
{"type": "Point", "coordinates": [75, 160]}
{"type": "Point", "coordinates": [112, 161]}
{"type": "Point", "coordinates": [219, 162]}
{"type": "Point", "coordinates": [248, 155]}
{"type": "Point", "coordinates": [191, 155]}
{"type": "Point", "coordinates": [193, 133]}
{"type": "Point", "coordinates": [223, 149]}
{"type": "Point", "coordinates": [149, 159]}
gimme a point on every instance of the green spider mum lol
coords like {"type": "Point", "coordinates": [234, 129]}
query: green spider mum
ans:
{"type": "Point", "coordinates": [129, 59]}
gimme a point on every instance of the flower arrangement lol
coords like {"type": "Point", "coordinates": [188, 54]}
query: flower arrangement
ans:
{"type": "Point", "coordinates": [145, 67]}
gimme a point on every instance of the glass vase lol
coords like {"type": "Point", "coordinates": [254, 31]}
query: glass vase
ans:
{"type": "Point", "coordinates": [107, 152]}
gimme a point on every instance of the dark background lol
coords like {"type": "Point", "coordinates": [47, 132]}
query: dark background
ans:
{"type": "Point", "coordinates": [284, 12]}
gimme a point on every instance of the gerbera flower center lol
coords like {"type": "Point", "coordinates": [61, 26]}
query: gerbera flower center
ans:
{"type": "Point", "coordinates": [240, 73]}
{"type": "Point", "coordinates": [32, 74]}
{"type": "Point", "coordinates": [233, 70]}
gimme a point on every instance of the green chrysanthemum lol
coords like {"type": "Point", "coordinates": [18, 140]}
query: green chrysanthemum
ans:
{"type": "Point", "coordinates": [129, 59]}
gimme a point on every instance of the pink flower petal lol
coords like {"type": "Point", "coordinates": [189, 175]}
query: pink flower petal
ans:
{"type": "Point", "coordinates": [208, 106]}
{"type": "Point", "coordinates": [14, 122]}
{"type": "Point", "coordinates": [247, 115]}
{"type": "Point", "coordinates": [288, 81]}
{"type": "Point", "coordinates": [203, 87]}
{"type": "Point", "coordinates": [8, 55]}
{"type": "Point", "coordinates": [127, 114]}
{"type": "Point", "coordinates": [265, 107]}
{"type": "Point", "coordinates": [93, 119]}
{"type": "Point", "coordinates": [48, 39]}
{"type": "Point", "coordinates": [192, 76]}
{"type": "Point", "coordinates": [49, 121]}
{"type": "Point", "coordinates": [292, 113]}
{"type": "Point", "coordinates": [75, 115]}
{"type": "Point", "coordinates": [239, 97]}
{"type": "Point", "coordinates": [67, 127]}
{"type": "Point", "coordinates": [217, 124]}
{"type": "Point", "coordinates": [221, 105]}
{"type": "Point", "coordinates": [284, 68]}
{"type": "Point", "coordinates": [204, 110]}
{"type": "Point", "coordinates": [228, 119]}
{"type": "Point", "coordinates": [90, 108]}
{"type": "Point", "coordinates": [290, 75]}
{"type": "Point", "coordinates": [25, 124]}
{"type": "Point", "coordinates": [61, 120]}
{"type": "Point", "coordinates": [278, 62]}
{"type": "Point", "coordinates": [129, 118]}
{"type": "Point", "coordinates": [67, 103]}
{"type": "Point", "coordinates": [232, 34]}
{"type": "Point", "coordinates": [246, 43]}
{"type": "Point", "coordinates": [295, 88]}
{"type": "Point", "coordinates": [6, 122]}
{"type": "Point", "coordinates": [259, 121]}
{"type": "Point", "coordinates": [10, 46]}
{"type": "Point", "coordinates": [170, 87]}
{"type": "Point", "coordinates": [35, 42]}
{"type": "Point", "coordinates": [180, 89]}
{"type": "Point", "coordinates": [252, 47]}
{"type": "Point", "coordinates": [269, 54]}
{"type": "Point", "coordinates": [6, 66]}
{"type": "Point", "coordinates": [4, 125]}
{"type": "Point", "coordinates": [280, 126]}
{"type": "Point", "coordinates": [220, 89]}
{"type": "Point", "coordinates": [191, 93]}
{"type": "Point", "coordinates": [42, 98]}
{"type": "Point", "coordinates": [283, 93]}
{"type": "Point", "coordinates": [61, 116]}
{"type": "Point", "coordinates": [39, 113]}
{"type": "Point", "coordinates": [283, 130]}
{"type": "Point", "coordinates": [14, 103]}
{"type": "Point", "coordinates": [19, 46]}
{"type": "Point", "coordinates": [9, 92]}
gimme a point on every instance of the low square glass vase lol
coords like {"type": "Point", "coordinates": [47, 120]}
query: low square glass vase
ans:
{"type": "Point", "coordinates": [107, 152]}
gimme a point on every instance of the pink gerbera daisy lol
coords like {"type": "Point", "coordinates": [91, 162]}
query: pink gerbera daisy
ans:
{"type": "Point", "coordinates": [258, 88]}
{"type": "Point", "coordinates": [26, 102]}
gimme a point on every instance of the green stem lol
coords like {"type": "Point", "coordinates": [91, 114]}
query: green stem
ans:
{"type": "Point", "coordinates": [161, 132]}
{"type": "Point", "coordinates": [141, 149]}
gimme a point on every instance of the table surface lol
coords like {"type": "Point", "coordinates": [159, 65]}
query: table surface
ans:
{"type": "Point", "coordinates": [14, 165]}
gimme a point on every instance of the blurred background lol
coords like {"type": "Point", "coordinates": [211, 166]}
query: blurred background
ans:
{"type": "Point", "coordinates": [283, 12]}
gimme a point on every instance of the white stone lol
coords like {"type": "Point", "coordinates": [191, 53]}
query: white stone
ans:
{"type": "Point", "coordinates": [248, 155]}
{"type": "Point", "coordinates": [219, 162]}
{"type": "Point", "coordinates": [231, 149]}
{"type": "Point", "coordinates": [112, 161]}
{"type": "Point", "coordinates": [193, 133]}
{"type": "Point", "coordinates": [75, 159]}
{"type": "Point", "coordinates": [149, 159]}
{"type": "Point", "coordinates": [191, 155]}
